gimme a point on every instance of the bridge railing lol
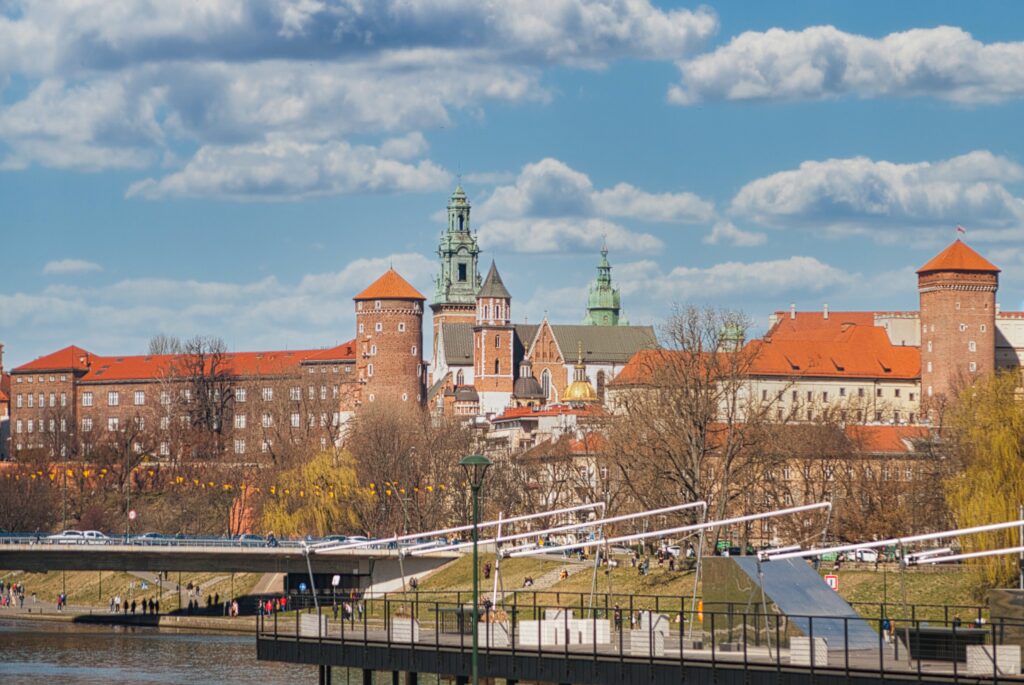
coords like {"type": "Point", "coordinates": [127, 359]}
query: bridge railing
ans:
{"type": "Point", "coordinates": [739, 637]}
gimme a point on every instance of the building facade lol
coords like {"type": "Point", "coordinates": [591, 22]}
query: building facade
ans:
{"type": "Point", "coordinates": [247, 406]}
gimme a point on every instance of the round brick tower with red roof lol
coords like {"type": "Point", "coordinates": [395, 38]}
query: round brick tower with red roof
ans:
{"type": "Point", "coordinates": [389, 341]}
{"type": "Point", "coordinates": [958, 320]}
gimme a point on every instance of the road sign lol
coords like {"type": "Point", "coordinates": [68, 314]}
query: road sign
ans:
{"type": "Point", "coordinates": [336, 580]}
{"type": "Point", "coordinates": [131, 515]}
{"type": "Point", "coordinates": [302, 587]}
{"type": "Point", "coordinates": [832, 580]}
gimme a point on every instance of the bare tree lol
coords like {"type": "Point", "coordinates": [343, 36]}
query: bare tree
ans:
{"type": "Point", "coordinates": [690, 428]}
{"type": "Point", "coordinates": [161, 344]}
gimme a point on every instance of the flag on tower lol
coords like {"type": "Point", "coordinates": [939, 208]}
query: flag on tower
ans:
{"type": "Point", "coordinates": [961, 230]}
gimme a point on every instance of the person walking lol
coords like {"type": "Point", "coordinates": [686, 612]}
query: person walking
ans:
{"type": "Point", "coordinates": [133, 607]}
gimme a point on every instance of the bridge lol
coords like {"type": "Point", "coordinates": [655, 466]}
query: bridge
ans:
{"type": "Point", "coordinates": [377, 565]}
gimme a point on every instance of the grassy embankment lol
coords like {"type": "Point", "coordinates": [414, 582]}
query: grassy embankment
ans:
{"type": "Point", "coordinates": [95, 588]}
{"type": "Point", "coordinates": [864, 586]}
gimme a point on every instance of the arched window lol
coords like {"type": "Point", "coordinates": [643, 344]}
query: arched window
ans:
{"type": "Point", "coordinates": [460, 378]}
{"type": "Point", "coordinates": [462, 220]}
{"type": "Point", "coordinates": [545, 383]}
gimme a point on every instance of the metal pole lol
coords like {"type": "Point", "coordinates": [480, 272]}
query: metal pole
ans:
{"type": "Point", "coordinates": [476, 582]}
{"type": "Point", "coordinates": [1020, 541]}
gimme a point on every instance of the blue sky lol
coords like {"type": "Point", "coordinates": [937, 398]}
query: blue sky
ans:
{"type": "Point", "coordinates": [242, 170]}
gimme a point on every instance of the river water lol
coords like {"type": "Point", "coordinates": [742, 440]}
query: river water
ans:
{"type": "Point", "coordinates": [58, 653]}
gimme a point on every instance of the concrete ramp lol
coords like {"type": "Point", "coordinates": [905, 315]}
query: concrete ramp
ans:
{"type": "Point", "coordinates": [791, 589]}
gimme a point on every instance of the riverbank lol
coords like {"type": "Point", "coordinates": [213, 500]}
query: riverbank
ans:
{"type": "Point", "coordinates": [240, 625]}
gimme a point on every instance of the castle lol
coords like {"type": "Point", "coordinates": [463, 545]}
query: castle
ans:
{"type": "Point", "coordinates": [483, 363]}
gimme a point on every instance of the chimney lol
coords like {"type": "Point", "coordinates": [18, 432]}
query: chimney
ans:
{"type": "Point", "coordinates": [792, 311]}
{"type": "Point", "coordinates": [825, 312]}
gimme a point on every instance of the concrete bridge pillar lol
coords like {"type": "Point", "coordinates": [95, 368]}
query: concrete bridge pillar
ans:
{"type": "Point", "coordinates": [367, 677]}
{"type": "Point", "coordinates": [324, 674]}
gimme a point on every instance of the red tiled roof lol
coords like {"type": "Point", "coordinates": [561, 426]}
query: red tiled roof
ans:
{"type": "Point", "coordinates": [390, 286]}
{"type": "Point", "coordinates": [803, 324]}
{"type": "Point", "coordinates": [149, 367]}
{"type": "Point", "coordinates": [847, 351]}
{"type": "Point", "coordinates": [71, 358]}
{"type": "Point", "coordinates": [886, 438]}
{"type": "Point", "coordinates": [958, 257]}
{"type": "Point", "coordinates": [856, 352]}
{"type": "Point", "coordinates": [513, 413]}
{"type": "Point", "coordinates": [4, 397]}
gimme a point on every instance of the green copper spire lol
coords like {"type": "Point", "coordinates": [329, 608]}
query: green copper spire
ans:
{"type": "Point", "coordinates": [458, 280]}
{"type": "Point", "coordinates": [603, 304]}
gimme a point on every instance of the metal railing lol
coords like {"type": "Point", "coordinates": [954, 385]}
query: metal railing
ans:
{"type": "Point", "coordinates": [948, 651]}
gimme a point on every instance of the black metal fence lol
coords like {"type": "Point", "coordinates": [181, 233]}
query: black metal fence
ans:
{"type": "Point", "coordinates": [677, 633]}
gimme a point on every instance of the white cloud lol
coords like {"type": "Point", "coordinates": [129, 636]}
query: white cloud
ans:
{"type": "Point", "coordinates": [725, 231]}
{"type": "Point", "coordinates": [823, 62]}
{"type": "Point", "coordinates": [120, 317]}
{"type": "Point", "coordinates": [62, 267]}
{"type": "Point", "coordinates": [121, 85]}
{"type": "Point", "coordinates": [860, 195]}
{"type": "Point", "coordinates": [286, 170]}
{"type": "Point", "coordinates": [645, 279]}
{"type": "Point", "coordinates": [552, 207]}
{"type": "Point", "coordinates": [563, 235]}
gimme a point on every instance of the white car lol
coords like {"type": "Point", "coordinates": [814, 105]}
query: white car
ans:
{"type": "Point", "coordinates": [866, 555]}
{"type": "Point", "coordinates": [79, 537]}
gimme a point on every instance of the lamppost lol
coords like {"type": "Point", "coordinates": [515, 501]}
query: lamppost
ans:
{"type": "Point", "coordinates": [475, 465]}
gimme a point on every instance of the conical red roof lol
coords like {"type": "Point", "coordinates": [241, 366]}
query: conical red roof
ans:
{"type": "Point", "coordinates": [390, 286]}
{"type": "Point", "coordinates": [958, 257]}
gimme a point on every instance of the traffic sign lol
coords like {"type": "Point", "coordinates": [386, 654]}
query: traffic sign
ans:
{"type": "Point", "coordinates": [131, 515]}
{"type": "Point", "coordinates": [832, 580]}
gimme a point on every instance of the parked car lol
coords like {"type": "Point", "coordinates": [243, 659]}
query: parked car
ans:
{"type": "Point", "coordinates": [866, 555]}
{"type": "Point", "coordinates": [250, 540]}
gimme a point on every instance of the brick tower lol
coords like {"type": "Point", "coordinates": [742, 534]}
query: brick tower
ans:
{"type": "Point", "coordinates": [958, 320]}
{"type": "Point", "coordinates": [389, 340]}
{"type": "Point", "coordinates": [458, 280]}
{"type": "Point", "coordinates": [492, 344]}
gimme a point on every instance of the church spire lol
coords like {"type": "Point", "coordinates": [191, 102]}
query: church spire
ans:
{"type": "Point", "coordinates": [458, 279]}
{"type": "Point", "coordinates": [603, 303]}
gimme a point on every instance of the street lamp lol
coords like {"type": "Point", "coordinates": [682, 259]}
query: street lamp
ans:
{"type": "Point", "coordinates": [476, 466]}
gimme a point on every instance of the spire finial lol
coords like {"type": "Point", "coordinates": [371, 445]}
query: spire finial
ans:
{"type": "Point", "coordinates": [579, 353]}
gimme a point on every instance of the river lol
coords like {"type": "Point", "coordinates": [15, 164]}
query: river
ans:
{"type": "Point", "coordinates": [58, 653]}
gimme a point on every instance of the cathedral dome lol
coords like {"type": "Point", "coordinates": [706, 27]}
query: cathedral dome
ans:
{"type": "Point", "coordinates": [528, 388]}
{"type": "Point", "coordinates": [580, 391]}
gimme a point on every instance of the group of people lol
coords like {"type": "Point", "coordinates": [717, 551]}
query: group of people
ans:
{"type": "Point", "coordinates": [145, 605]}
{"type": "Point", "coordinates": [12, 595]}
{"type": "Point", "coordinates": [272, 606]}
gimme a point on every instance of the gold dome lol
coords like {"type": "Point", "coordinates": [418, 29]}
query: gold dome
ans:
{"type": "Point", "coordinates": [580, 390]}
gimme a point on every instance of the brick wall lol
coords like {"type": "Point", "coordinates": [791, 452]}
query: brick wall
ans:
{"type": "Point", "coordinates": [957, 329]}
{"type": "Point", "coordinates": [389, 350]}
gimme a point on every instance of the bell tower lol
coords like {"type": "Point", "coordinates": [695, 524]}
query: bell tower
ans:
{"type": "Point", "coordinates": [458, 280]}
{"type": "Point", "coordinates": [603, 302]}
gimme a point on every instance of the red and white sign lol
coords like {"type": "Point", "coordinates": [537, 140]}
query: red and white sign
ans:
{"type": "Point", "coordinates": [131, 515]}
{"type": "Point", "coordinates": [832, 580]}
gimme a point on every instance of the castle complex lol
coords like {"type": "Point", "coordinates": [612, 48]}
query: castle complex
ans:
{"type": "Point", "coordinates": [880, 368]}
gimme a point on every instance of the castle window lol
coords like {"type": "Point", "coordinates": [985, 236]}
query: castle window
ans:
{"type": "Point", "coordinates": [140, 398]}
{"type": "Point", "coordinates": [405, 397]}
{"type": "Point", "coordinates": [113, 424]}
{"type": "Point", "coordinates": [824, 396]}
{"type": "Point", "coordinates": [239, 395]}
{"type": "Point", "coordinates": [295, 419]}
{"type": "Point", "coordinates": [972, 346]}
{"type": "Point", "coordinates": [911, 397]}
{"type": "Point", "coordinates": [413, 351]}
{"type": "Point", "coordinates": [895, 417]}
{"type": "Point", "coordinates": [239, 446]}
{"type": "Point", "coordinates": [295, 394]}
{"type": "Point", "coordinates": [462, 267]}
{"type": "Point", "coordinates": [896, 392]}
{"type": "Point", "coordinates": [793, 397]}
{"type": "Point", "coordinates": [545, 382]}
{"type": "Point", "coordinates": [910, 418]}
{"type": "Point", "coordinates": [497, 342]}
{"type": "Point", "coordinates": [984, 328]}
{"type": "Point", "coordinates": [973, 366]}
{"type": "Point", "coordinates": [460, 378]}
{"type": "Point", "coordinates": [958, 305]}
{"type": "Point", "coordinates": [963, 327]}
{"type": "Point", "coordinates": [376, 304]}
{"type": "Point", "coordinates": [379, 327]}
{"type": "Point", "coordinates": [373, 397]}
{"type": "Point", "coordinates": [360, 328]}
{"type": "Point", "coordinates": [369, 369]}
{"type": "Point", "coordinates": [929, 367]}
{"type": "Point", "coordinates": [267, 420]}
{"type": "Point", "coordinates": [878, 391]}
{"type": "Point", "coordinates": [401, 327]}
{"type": "Point", "coordinates": [929, 345]}
{"type": "Point", "coordinates": [239, 421]}
{"type": "Point", "coordinates": [373, 350]}
{"type": "Point", "coordinates": [860, 392]}
{"type": "Point", "coordinates": [86, 425]}
{"type": "Point", "coordinates": [359, 306]}
{"type": "Point", "coordinates": [497, 366]}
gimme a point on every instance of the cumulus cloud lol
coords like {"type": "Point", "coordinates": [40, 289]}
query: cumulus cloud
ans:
{"type": "Point", "coordinates": [285, 169]}
{"type": "Point", "coordinates": [95, 34]}
{"type": "Point", "coordinates": [122, 85]}
{"type": "Point", "coordinates": [563, 235]}
{"type": "Point", "coordinates": [552, 207]}
{"type": "Point", "coordinates": [823, 62]}
{"type": "Point", "coordinates": [64, 267]}
{"type": "Point", "coordinates": [725, 232]}
{"type": "Point", "coordinates": [764, 278]}
{"type": "Point", "coordinates": [265, 313]}
{"type": "Point", "coordinates": [860, 195]}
